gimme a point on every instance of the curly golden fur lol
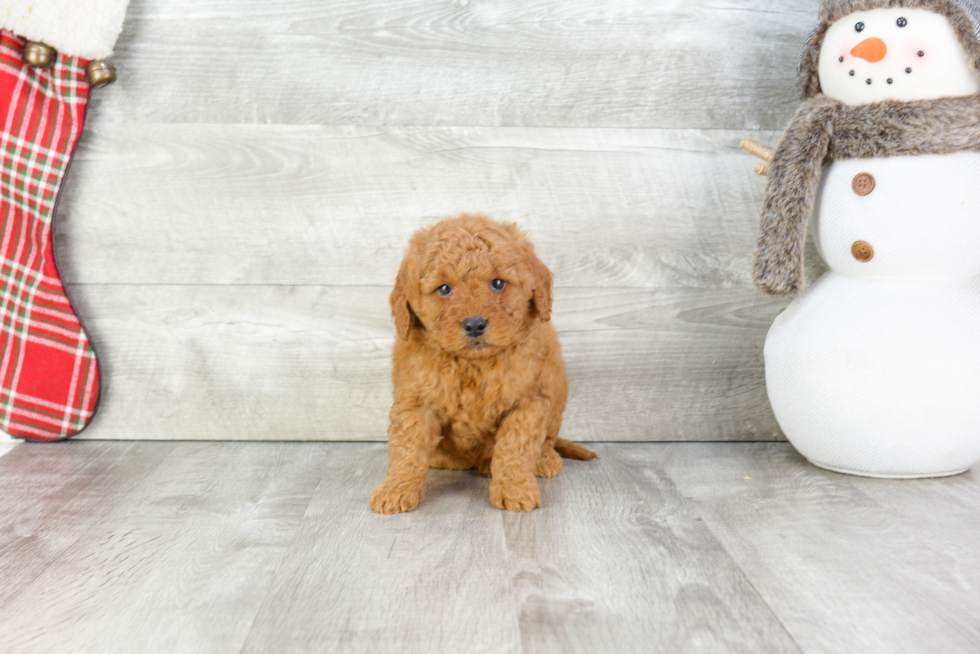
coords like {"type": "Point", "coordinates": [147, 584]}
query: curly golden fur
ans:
{"type": "Point", "coordinates": [479, 380]}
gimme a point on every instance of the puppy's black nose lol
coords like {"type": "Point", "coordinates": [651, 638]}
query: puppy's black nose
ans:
{"type": "Point", "coordinates": [474, 326]}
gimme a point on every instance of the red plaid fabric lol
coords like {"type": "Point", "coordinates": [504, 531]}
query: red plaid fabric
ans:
{"type": "Point", "coordinates": [49, 379]}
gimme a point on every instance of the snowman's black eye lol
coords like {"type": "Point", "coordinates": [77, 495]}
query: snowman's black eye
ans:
{"type": "Point", "coordinates": [859, 27]}
{"type": "Point", "coordinates": [841, 59]}
{"type": "Point", "coordinates": [901, 22]}
{"type": "Point", "coordinates": [891, 81]}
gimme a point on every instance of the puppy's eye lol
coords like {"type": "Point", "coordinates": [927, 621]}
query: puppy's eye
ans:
{"type": "Point", "coordinates": [859, 27]}
{"type": "Point", "coordinates": [444, 290]}
{"type": "Point", "coordinates": [498, 284]}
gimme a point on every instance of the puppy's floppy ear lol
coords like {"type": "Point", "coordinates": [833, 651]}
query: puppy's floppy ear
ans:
{"type": "Point", "coordinates": [542, 287]}
{"type": "Point", "coordinates": [541, 277]}
{"type": "Point", "coordinates": [401, 310]}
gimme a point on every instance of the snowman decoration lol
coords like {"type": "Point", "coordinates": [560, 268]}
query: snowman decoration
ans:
{"type": "Point", "coordinates": [875, 369]}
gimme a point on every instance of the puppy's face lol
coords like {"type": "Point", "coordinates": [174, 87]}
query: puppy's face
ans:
{"type": "Point", "coordinates": [472, 285]}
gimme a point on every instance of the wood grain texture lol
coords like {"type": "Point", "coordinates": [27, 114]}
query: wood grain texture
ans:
{"type": "Point", "coordinates": [171, 545]}
{"type": "Point", "coordinates": [683, 547]}
{"type": "Point", "coordinates": [459, 575]}
{"type": "Point", "coordinates": [232, 204]}
{"type": "Point", "coordinates": [241, 197]}
{"type": "Point", "coordinates": [848, 564]}
{"type": "Point", "coordinates": [313, 363]}
{"type": "Point", "coordinates": [52, 493]}
{"type": "Point", "coordinates": [627, 63]}
{"type": "Point", "coordinates": [355, 581]}
{"type": "Point", "coordinates": [620, 563]}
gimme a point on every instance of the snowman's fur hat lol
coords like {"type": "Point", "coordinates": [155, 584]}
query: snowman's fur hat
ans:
{"type": "Point", "coordinates": [963, 16]}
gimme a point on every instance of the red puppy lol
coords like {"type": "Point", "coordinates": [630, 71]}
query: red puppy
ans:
{"type": "Point", "coordinates": [479, 380]}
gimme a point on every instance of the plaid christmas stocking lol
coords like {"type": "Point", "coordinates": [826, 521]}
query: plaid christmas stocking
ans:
{"type": "Point", "coordinates": [49, 380]}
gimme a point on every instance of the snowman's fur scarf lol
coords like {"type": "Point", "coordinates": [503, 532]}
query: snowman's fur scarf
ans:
{"type": "Point", "coordinates": [828, 129]}
{"type": "Point", "coordinates": [807, 79]}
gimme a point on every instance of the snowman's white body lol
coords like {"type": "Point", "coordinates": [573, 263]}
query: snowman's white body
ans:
{"type": "Point", "coordinates": [875, 369]}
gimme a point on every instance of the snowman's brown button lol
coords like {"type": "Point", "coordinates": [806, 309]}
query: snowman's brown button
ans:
{"type": "Point", "coordinates": [863, 183]}
{"type": "Point", "coordinates": [862, 251]}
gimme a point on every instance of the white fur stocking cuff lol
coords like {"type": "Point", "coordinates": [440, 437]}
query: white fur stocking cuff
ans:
{"type": "Point", "coordinates": [79, 28]}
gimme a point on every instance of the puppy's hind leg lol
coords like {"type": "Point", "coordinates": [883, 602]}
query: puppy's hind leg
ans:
{"type": "Point", "coordinates": [550, 464]}
{"type": "Point", "coordinates": [447, 458]}
{"type": "Point", "coordinates": [486, 459]}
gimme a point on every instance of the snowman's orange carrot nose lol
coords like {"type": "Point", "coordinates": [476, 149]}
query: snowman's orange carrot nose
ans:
{"type": "Point", "coordinates": [873, 49]}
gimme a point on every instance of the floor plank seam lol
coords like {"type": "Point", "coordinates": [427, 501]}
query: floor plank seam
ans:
{"type": "Point", "coordinates": [282, 560]}
{"type": "Point", "coordinates": [746, 577]}
{"type": "Point", "coordinates": [510, 581]}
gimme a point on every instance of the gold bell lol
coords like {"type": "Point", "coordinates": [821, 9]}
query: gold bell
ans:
{"type": "Point", "coordinates": [99, 73]}
{"type": "Point", "coordinates": [38, 55]}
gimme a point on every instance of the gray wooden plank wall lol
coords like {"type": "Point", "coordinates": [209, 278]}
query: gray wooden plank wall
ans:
{"type": "Point", "coordinates": [241, 197]}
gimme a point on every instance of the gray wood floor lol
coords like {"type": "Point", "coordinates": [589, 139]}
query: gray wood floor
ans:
{"type": "Point", "coordinates": [684, 547]}
{"type": "Point", "coordinates": [241, 197]}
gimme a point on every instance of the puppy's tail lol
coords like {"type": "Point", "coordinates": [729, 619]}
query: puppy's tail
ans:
{"type": "Point", "coordinates": [571, 450]}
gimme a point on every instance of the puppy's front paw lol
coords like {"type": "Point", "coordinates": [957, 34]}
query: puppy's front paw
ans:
{"type": "Point", "coordinates": [520, 496]}
{"type": "Point", "coordinates": [396, 497]}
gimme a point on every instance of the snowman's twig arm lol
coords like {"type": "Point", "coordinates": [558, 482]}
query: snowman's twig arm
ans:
{"type": "Point", "coordinates": [794, 174]}
{"type": "Point", "coordinates": [759, 150]}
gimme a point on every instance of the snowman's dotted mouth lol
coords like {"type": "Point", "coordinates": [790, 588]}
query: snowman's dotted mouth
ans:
{"type": "Point", "coordinates": [890, 80]}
